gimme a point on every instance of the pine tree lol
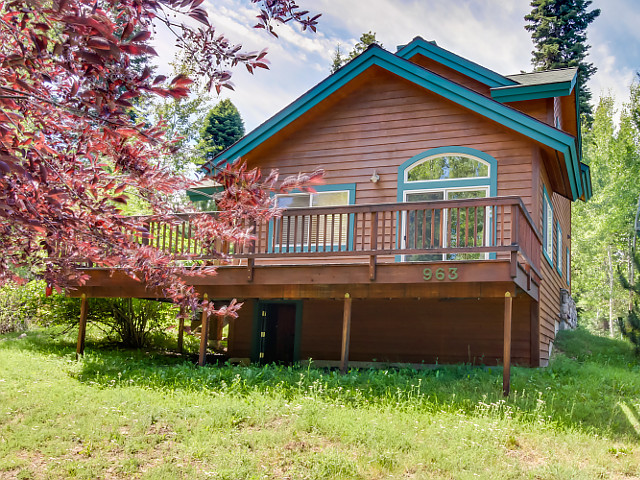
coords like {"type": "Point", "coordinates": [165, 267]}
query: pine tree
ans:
{"type": "Point", "coordinates": [558, 30]}
{"type": "Point", "coordinates": [630, 327]}
{"type": "Point", "coordinates": [223, 126]}
{"type": "Point", "coordinates": [366, 39]}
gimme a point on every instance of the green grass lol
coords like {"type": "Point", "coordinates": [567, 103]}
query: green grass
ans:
{"type": "Point", "coordinates": [137, 414]}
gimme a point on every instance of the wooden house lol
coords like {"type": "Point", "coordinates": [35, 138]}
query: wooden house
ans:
{"type": "Point", "coordinates": [446, 209]}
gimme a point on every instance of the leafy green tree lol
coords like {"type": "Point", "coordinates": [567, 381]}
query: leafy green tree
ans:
{"type": "Point", "coordinates": [222, 127]}
{"type": "Point", "coordinates": [366, 39]}
{"type": "Point", "coordinates": [559, 33]}
{"type": "Point", "coordinates": [602, 227]}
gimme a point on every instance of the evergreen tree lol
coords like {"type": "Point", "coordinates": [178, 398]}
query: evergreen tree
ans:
{"type": "Point", "coordinates": [558, 30]}
{"type": "Point", "coordinates": [223, 126]}
{"type": "Point", "coordinates": [630, 327]}
{"type": "Point", "coordinates": [366, 39]}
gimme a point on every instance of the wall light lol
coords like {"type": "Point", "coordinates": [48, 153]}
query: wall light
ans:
{"type": "Point", "coordinates": [375, 178]}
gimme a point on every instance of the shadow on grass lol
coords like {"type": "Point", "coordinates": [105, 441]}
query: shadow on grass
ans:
{"type": "Point", "coordinates": [592, 384]}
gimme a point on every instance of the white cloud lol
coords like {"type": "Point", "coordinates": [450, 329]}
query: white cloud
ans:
{"type": "Point", "coordinates": [488, 32]}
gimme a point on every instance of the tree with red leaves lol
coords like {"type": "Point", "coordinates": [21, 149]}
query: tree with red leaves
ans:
{"type": "Point", "coordinates": [71, 155]}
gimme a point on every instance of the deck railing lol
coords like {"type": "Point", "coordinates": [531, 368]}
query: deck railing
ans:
{"type": "Point", "coordinates": [469, 229]}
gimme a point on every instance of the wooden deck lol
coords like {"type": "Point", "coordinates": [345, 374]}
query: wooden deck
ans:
{"type": "Point", "coordinates": [455, 249]}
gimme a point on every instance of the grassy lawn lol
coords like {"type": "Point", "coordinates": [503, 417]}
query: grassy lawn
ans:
{"type": "Point", "coordinates": [134, 414]}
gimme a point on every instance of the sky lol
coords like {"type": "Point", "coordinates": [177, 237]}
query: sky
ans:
{"type": "Point", "coordinates": [488, 32]}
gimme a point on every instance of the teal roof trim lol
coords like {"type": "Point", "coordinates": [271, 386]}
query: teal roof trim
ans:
{"type": "Point", "coordinates": [201, 194]}
{"type": "Point", "coordinates": [430, 50]}
{"type": "Point", "coordinates": [465, 97]}
{"type": "Point", "coordinates": [586, 181]}
{"type": "Point", "coordinates": [515, 93]}
{"type": "Point", "coordinates": [531, 92]}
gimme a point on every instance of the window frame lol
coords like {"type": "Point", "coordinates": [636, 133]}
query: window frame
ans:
{"type": "Point", "coordinates": [559, 247]}
{"type": "Point", "coordinates": [349, 188]}
{"type": "Point", "coordinates": [568, 266]}
{"type": "Point", "coordinates": [489, 182]}
{"type": "Point", "coordinates": [547, 226]}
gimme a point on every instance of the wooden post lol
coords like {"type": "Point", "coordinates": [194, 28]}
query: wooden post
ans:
{"type": "Point", "coordinates": [82, 327]}
{"type": "Point", "coordinates": [181, 331]}
{"type": "Point", "coordinates": [506, 368]}
{"type": "Point", "coordinates": [535, 335]}
{"type": "Point", "coordinates": [204, 335]}
{"type": "Point", "coordinates": [346, 333]}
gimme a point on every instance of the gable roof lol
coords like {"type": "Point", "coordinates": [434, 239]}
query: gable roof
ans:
{"type": "Point", "coordinates": [375, 55]}
{"type": "Point", "coordinates": [507, 88]}
{"type": "Point", "coordinates": [471, 69]}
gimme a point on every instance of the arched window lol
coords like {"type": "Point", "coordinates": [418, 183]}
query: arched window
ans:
{"type": "Point", "coordinates": [447, 167]}
{"type": "Point", "coordinates": [446, 173]}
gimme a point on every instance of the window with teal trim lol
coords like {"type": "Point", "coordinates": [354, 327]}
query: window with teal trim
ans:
{"type": "Point", "coordinates": [568, 270]}
{"type": "Point", "coordinates": [293, 232]}
{"type": "Point", "coordinates": [547, 227]}
{"type": "Point", "coordinates": [559, 246]}
{"type": "Point", "coordinates": [446, 173]}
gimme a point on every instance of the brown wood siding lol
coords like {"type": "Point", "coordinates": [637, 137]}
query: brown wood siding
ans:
{"type": "Point", "coordinates": [451, 74]}
{"type": "Point", "coordinates": [553, 281]}
{"type": "Point", "coordinates": [557, 113]}
{"type": "Point", "coordinates": [540, 109]}
{"type": "Point", "coordinates": [380, 125]}
{"type": "Point", "coordinates": [240, 331]}
{"type": "Point", "coordinates": [412, 330]}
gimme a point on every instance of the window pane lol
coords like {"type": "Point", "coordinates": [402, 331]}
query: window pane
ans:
{"type": "Point", "coordinates": [424, 196]}
{"type": "Point", "coordinates": [448, 167]}
{"type": "Point", "coordinates": [466, 226]}
{"type": "Point", "coordinates": [327, 199]}
{"type": "Point", "coordinates": [548, 229]}
{"type": "Point", "coordinates": [291, 231]}
{"type": "Point", "coordinates": [336, 225]}
{"type": "Point", "coordinates": [293, 201]}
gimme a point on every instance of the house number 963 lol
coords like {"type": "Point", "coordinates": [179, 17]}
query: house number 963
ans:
{"type": "Point", "coordinates": [440, 274]}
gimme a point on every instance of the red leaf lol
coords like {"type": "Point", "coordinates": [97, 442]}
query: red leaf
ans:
{"type": "Point", "coordinates": [141, 37]}
{"type": "Point", "coordinates": [99, 43]}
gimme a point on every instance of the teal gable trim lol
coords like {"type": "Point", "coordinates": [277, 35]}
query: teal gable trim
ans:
{"type": "Point", "coordinates": [585, 173]}
{"type": "Point", "coordinates": [491, 181]}
{"type": "Point", "coordinates": [464, 97]}
{"type": "Point", "coordinates": [202, 194]}
{"type": "Point", "coordinates": [531, 92]}
{"type": "Point", "coordinates": [462, 65]}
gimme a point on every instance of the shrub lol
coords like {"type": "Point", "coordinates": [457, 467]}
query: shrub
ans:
{"type": "Point", "coordinates": [131, 320]}
{"type": "Point", "coordinates": [22, 306]}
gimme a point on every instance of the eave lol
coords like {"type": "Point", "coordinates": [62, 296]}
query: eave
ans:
{"type": "Point", "coordinates": [516, 93]}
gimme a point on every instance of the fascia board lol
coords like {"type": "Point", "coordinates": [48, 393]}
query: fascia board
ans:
{"type": "Point", "coordinates": [457, 63]}
{"type": "Point", "coordinates": [531, 92]}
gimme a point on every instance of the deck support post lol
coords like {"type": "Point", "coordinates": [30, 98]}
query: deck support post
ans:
{"type": "Point", "coordinates": [535, 334]}
{"type": "Point", "coordinates": [506, 367]}
{"type": "Point", "coordinates": [204, 334]}
{"type": "Point", "coordinates": [82, 326]}
{"type": "Point", "coordinates": [346, 333]}
{"type": "Point", "coordinates": [181, 330]}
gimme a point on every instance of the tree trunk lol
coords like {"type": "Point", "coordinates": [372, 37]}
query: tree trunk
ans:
{"type": "Point", "coordinates": [609, 256]}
